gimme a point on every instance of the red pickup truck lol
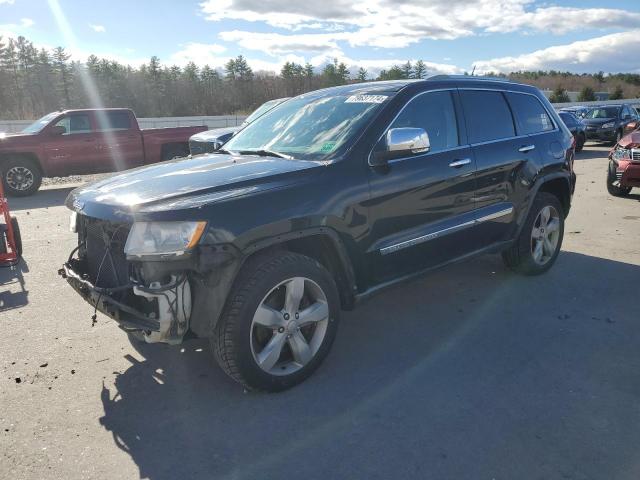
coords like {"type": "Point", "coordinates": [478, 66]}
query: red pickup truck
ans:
{"type": "Point", "coordinates": [76, 142]}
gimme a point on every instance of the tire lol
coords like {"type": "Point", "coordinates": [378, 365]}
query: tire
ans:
{"type": "Point", "coordinates": [265, 284]}
{"type": "Point", "coordinates": [522, 257]}
{"type": "Point", "coordinates": [16, 235]}
{"type": "Point", "coordinates": [174, 151]}
{"type": "Point", "coordinates": [21, 177]}
{"type": "Point", "coordinates": [580, 141]}
{"type": "Point", "coordinates": [618, 137]}
{"type": "Point", "coordinates": [612, 188]}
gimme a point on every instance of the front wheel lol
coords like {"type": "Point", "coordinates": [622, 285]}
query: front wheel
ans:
{"type": "Point", "coordinates": [21, 177]}
{"type": "Point", "coordinates": [538, 245]}
{"type": "Point", "coordinates": [279, 322]}
{"type": "Point", "coordinates": [613, 183]}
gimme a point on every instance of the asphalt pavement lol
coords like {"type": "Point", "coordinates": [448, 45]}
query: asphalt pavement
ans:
{"type": "Point", "coordinates": [472, 372]}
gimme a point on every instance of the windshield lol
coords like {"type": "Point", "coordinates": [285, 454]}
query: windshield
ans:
{"type": "Point", "coordinates": [310, 127]}
{"type": "Point", "coordinates": [607, 112]}
{"type": "Point", "coordinates": [262, 109]}
{"type": "Point", "coordinates": [39, 124]}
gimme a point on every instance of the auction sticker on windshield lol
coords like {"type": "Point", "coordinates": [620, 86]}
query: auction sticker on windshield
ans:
{"type": "Point", "coordinates": [366, 99]}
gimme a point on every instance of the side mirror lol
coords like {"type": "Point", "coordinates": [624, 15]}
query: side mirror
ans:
{"type": "Point", "coordinates": [401, 142]}
{"type": "Point", "coordinates": [58, 130]}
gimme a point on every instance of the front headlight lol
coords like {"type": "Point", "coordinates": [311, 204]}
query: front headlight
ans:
{"type": "Point", "coordinates": [163, 238]}
{"type": "Point", "coordinates": [621, 154]}
{"type": "Point", "coordinates": [609, 125]}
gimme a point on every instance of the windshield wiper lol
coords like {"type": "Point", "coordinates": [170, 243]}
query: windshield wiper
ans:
{"type": "Point", "coordinates": [222, 150]}
{"type": "Point", "coordinates": [264, 153]}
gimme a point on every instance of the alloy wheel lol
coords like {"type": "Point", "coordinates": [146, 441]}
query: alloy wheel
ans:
{"type": "Point", "coordinates": [289, 326]}
{"type": "Point", "coordinates": [545, 235]}
{"type": "Point", "coordinates": [19, 178]}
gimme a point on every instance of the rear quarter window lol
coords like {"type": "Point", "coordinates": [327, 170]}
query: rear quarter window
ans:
{"type": "Point", "coordinates": [531, 115]}
{"type": "Point", "coordinates": [487, 115]}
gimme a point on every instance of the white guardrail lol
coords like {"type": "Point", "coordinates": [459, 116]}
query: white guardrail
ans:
{"type": "Point", "coordinates": [629, 101]}
{"type": "Point", "coordinates": [218, 121]}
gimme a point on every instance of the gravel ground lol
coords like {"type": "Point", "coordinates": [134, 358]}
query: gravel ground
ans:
{"type": "Point", "coordinates": [471, 372]}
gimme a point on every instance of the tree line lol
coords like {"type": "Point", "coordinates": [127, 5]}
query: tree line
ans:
{"type": "Point", "coordinates": [36, 81]}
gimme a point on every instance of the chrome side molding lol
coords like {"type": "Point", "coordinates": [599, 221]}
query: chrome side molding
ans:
{"type": "Point", "coordinates": [446, 231]}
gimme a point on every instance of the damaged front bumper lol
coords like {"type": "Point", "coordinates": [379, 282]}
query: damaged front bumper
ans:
{"type": "Point", "coordinates": [158, 312]}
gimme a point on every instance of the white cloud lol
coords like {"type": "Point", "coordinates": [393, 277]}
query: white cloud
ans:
{"type": "Point", "coordinates": [204, 54]}
{"type": "Point", "coordinates": [399, 23]}
{"type": "Point", "coordinates": [13, 30]}
{"type": "Point", "coordinates": [610, 53]}
{"type": "Point", "coordinates": [199, 53]}
{"type": "Point", "coordinates": [97, 28]}
{"type": "Point", "coordinates": [8, 2]}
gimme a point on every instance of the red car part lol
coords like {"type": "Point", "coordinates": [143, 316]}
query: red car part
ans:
{"type": "Point", "coordinates": [10, 241]}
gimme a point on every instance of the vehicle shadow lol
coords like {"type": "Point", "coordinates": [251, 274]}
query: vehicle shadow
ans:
{"type": "Point", "coordinates": [9, 277]}
{"type": "Point", "coordinates": [470, 372]}
{"type": "Point", "coordinates": [591, 153]}
{"type": "Point", "coordinates": [50, 197]}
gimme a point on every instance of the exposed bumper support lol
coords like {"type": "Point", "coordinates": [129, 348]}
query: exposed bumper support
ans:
{"type": "Point", "coordinates": [172, 304]}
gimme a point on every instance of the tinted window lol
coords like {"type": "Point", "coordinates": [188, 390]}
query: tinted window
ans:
{"type": "Point", "coordinates": [75, 124]}
{"type": "Point", "coordinates": [488, 116]}
{"type": "Point", "coordinates": [530, 113]}
{"type": "Point", "coordinates": [603, 112]}
{"type": "Point", "coordinates": [113, 120]}
{"type": "Point", "coordinates": [568, 119]}
{"type": "Point", "coordinates": [435, 113]}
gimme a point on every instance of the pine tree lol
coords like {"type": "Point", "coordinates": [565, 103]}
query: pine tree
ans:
{"type": "Point", "coordinates": [618, 93]}
{"type": "Point", "coordinates": [362, 75]}
{"type": "Point", "coordinates": [419, 70]}
{"type": "Point", "coordinates": [559, 95]}
{"type": "Point", "coordinates": [60, 58]}
{"type": "Point", "coordinates": [407, 70]}
{"type": "Point", "coordinates": [587, 95]}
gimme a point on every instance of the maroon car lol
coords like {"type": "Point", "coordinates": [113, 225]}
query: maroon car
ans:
{"type": "Point", "coordinates": [76, 142]}
{"type": "Point", "coordinates": [624, 165]}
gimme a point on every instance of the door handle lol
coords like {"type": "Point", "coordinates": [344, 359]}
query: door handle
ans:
{"type": "Point", "coordinates": [460, 163]}
{"type": "Point", "coordinates": [526, 148]}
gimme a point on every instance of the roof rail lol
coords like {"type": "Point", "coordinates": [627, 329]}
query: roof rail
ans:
{"type": "Point", "coordinates": [470, 77]}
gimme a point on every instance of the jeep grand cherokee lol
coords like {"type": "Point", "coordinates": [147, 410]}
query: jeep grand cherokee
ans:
{"type": "Point", "coordinates": [316, 205]}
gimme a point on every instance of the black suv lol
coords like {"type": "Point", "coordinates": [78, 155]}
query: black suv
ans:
{"type": "Point", "coordinates": [609, 123]}
{"type": "Point", "coordinates": [316, 205]}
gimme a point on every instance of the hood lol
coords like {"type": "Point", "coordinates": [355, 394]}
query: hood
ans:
{"type": "Point", "coordinates": [184, 184]}
{"type": "Point", "coordinates": [597, 121]}
{"type": "Point", "coordinates": [631, 140]}
{"type": "Point", "coordinates": [213, 135]}
{"type": "Point", "coordinates": [14, 138]}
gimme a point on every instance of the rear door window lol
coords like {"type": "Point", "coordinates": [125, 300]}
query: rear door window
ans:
{"type": "Point", "coordinates": [487, 115]}
{"type": "Point", "coordinates": [109, 121]}
{"type": "Point", "coordinates": [434, 112]}
{"type": "Point", "coordinates": [532, 116]}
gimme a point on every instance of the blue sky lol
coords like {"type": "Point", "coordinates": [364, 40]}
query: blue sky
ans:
{"type": "Point", "coordinates": [450, 35]}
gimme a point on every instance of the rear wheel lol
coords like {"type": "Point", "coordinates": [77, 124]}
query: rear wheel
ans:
{"type": "Point", "coordinates": [540, 239]}
{"type": "Point", "coordinates": [21, 177]}
{"type": "Point", "coordinates": [613, 183]}
{"type": "Point", "coordinates": [279, 323]}
{"type": "Point", "coordinates": [580, 140]}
